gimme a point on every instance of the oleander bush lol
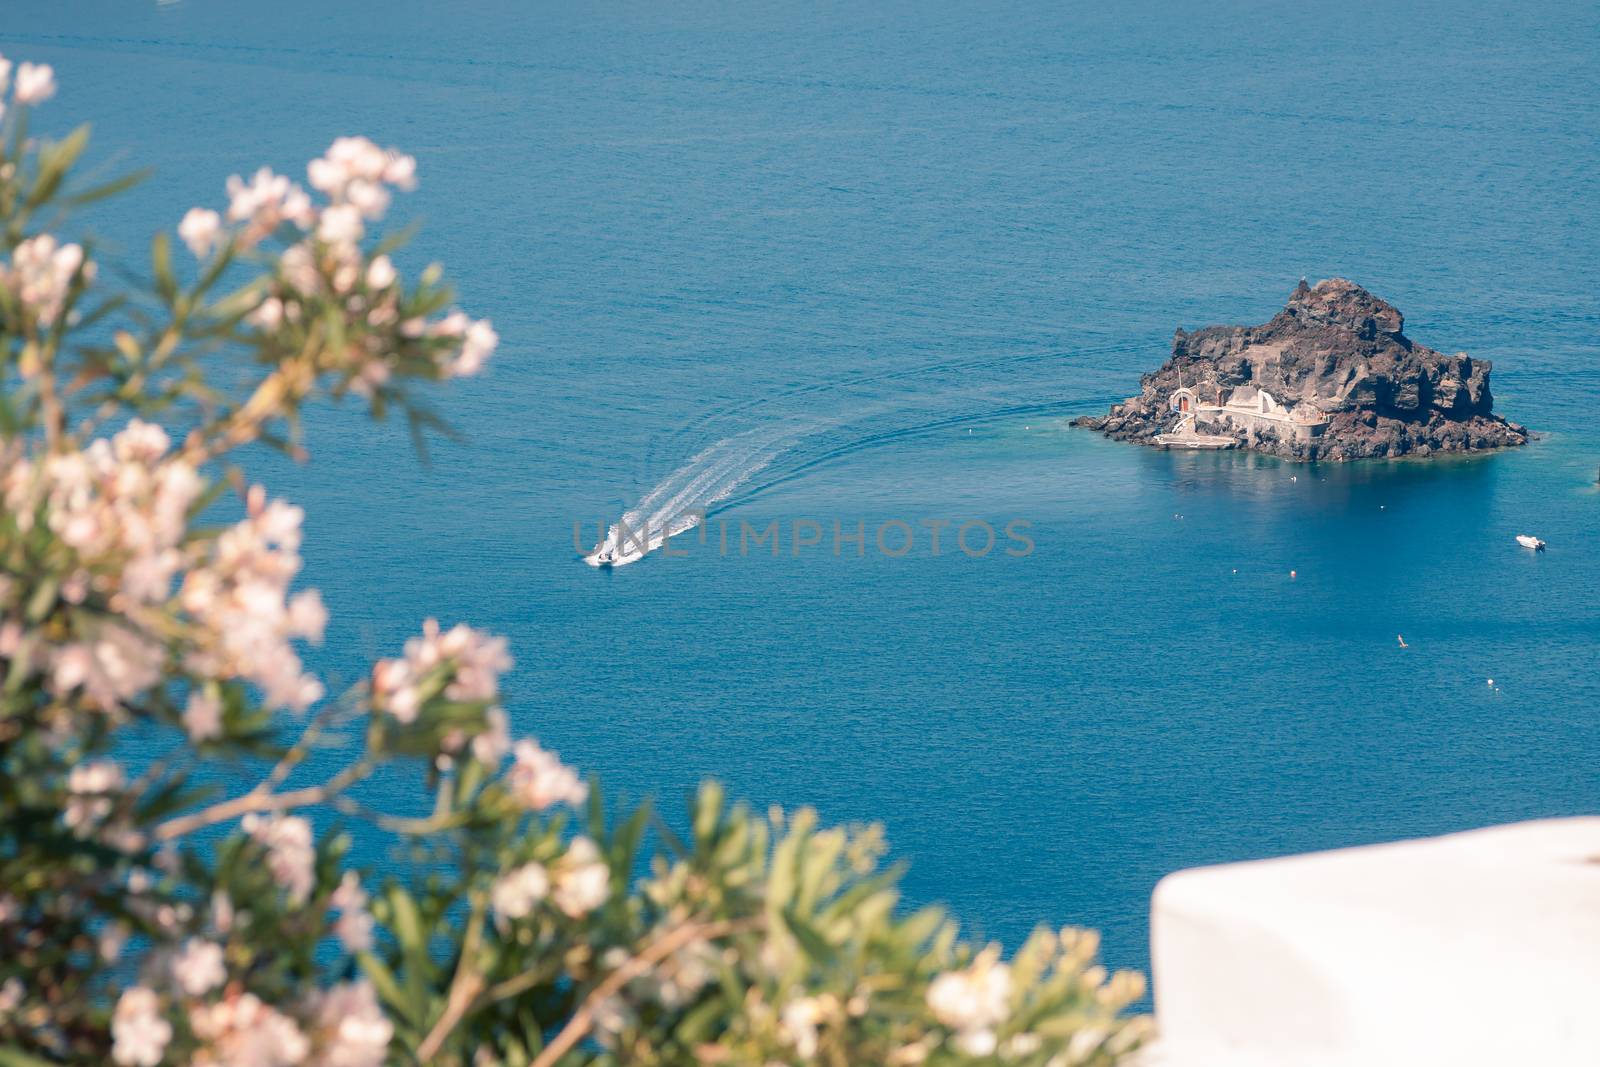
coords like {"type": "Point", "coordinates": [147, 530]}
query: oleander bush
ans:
{"type": "Point", "coordinates": [177, 886]}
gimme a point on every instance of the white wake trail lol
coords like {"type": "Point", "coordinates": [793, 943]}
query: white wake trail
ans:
{"type": "Point", "coordinates": [679, 503]}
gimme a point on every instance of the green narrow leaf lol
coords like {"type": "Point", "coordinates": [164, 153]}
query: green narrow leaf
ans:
{"type": "Point", "coordinates": [810, 940]}
{"type": "Point", "coordinates": [383, 980]}
{"type": "Point", "coordinates": [161, 264]}
{"type": "Point", "coordinates": [54, 162]}
{"type": "Point", "coordinates": [707, 812]}
{"type": "Point", "coordinates": [105, 189]}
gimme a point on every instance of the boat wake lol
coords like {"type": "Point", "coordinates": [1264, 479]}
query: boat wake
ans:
{"type": "Point", "coordinates": [858, 412]}
{"type": "Point", "coordinates": [682, 500]}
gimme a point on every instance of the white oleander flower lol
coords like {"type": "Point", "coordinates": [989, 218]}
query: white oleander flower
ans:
{"type": "Point", "coordinates": [478, 342]}
{"type": "Point", "coordinates": [36, 83]}
{"type": "Point", "coordinates": [199, 230]}
{"type": "Point", "coordinates": [973, 1002]}
{"type": "Point", "coordinates": [583, 880]}
{"type": "Point", "coordinates": [516, 892]}
{"type": "Point", "coordinates": [340, 225]}
{"type": "Point", "coordinates": [380, 273]}
{"type": "Point", "coordinates": [799, 1021]}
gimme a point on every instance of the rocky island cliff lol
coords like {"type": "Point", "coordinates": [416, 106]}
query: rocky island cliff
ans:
{"type": "Point", "coordinates": [1330, 377]}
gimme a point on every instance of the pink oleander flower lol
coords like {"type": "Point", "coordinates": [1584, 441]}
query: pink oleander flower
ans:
{"type": "Point", "coordinates": [202, 716]}
{"type": "Point", "coordinates": [265, 202]}
{"type": "Point", "coordinates": [354, 170]}
{"type": "Point", "coordinates": [268, 315]}
{"type": "Point", "coordinates": [139, 1035]}
{"type": "Point", "coordinates": [239, 598]}
{"type": "Point", "coordinates": [354, 926]}
{"type": "Point", "coordinates": [36, 83]}
{"type": "Point", "coordinates": [197, 968]}
{"type": "Point", "coordinates": [199, 230]}
{"type": "Point", "coordinates": [478, 342]}
{"type": "Point", "coordinates": [291, 855]}
{"type": "Point", "coordinates": [350, 1027]}
{"type": "Point", "coordinates": [539, 780]}
{"type": "Point", "coordinates": [476, 661]}
{"type": "Point", "coordinates": [243, 1031]}
{"type": "Point", "coordinates": [491, 746]}
{"type": "Point", "coordinates": [42, 271]}
{"type": "Point", "coordinates": [111, 668]}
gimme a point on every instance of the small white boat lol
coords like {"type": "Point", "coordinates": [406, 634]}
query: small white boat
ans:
{"type": "Point", "coordinates": [616, 550]}
{"type": "Point", "coordinates": [1530, 541]}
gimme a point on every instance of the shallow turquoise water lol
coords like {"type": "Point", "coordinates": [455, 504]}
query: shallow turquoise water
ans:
{"type": "Point", "coordinates": [886, 255]}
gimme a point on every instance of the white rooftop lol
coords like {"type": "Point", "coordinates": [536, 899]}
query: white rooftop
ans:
{"type": "Point", "coordinates": [1479, 948]}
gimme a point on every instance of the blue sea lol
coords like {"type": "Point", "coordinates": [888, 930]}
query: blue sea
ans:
{"type": "Point", "coordinates": [861, 263]}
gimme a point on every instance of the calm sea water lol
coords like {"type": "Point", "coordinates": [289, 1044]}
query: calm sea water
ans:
{"type": "Point", "coordinates": [872, 258]}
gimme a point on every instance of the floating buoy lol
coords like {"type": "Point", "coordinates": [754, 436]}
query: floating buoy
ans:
{"type": "Point", "coordinates": [1292, 576]}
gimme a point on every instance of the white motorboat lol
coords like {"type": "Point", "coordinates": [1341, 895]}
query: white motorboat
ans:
{"type": "Point", "coordinates": [1530, 541]}
{"type": "Point", "coordinates": [616, 550]}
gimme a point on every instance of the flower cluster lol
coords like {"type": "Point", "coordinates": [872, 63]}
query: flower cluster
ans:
{"type": "Point", "coordinates": [349, 1027]}
{"type": "Point", "coordinates": [239, 597]}
{"type": "Point", "coordinates": [42, 274]}
{"type": "Point", "coordinates": [973, 1002]}
{"type": "Point", "coordinates": [461, 666]}
{"type": "Point", "coordinates": [577, 883]}
{"type": "Point", "coordinates": [538, 780]}
{"type": "Point", "coordinates": [291, 855]}
{"type": "Point", "coordinates": [139, 1033]}
{"type": "Point", "coordinates": [243, 1031]}
{"type": "Point", "coordinates": [121, 508]}
{"type": "Point", "coordinates": [354, 926]}
{"type": "Point", "coordinates": [342, 1026]}
{"type": "Point", "coordinates": [324, 265]}
{"type": "Point", "coordinates": [35, 83]}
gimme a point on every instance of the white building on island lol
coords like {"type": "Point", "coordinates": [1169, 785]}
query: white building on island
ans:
{"type": "Point", "coordinates": [1247, 408]}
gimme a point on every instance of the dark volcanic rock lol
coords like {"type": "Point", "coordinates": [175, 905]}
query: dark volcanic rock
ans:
{"type": "Point", "coordinates": [1341, 382]}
